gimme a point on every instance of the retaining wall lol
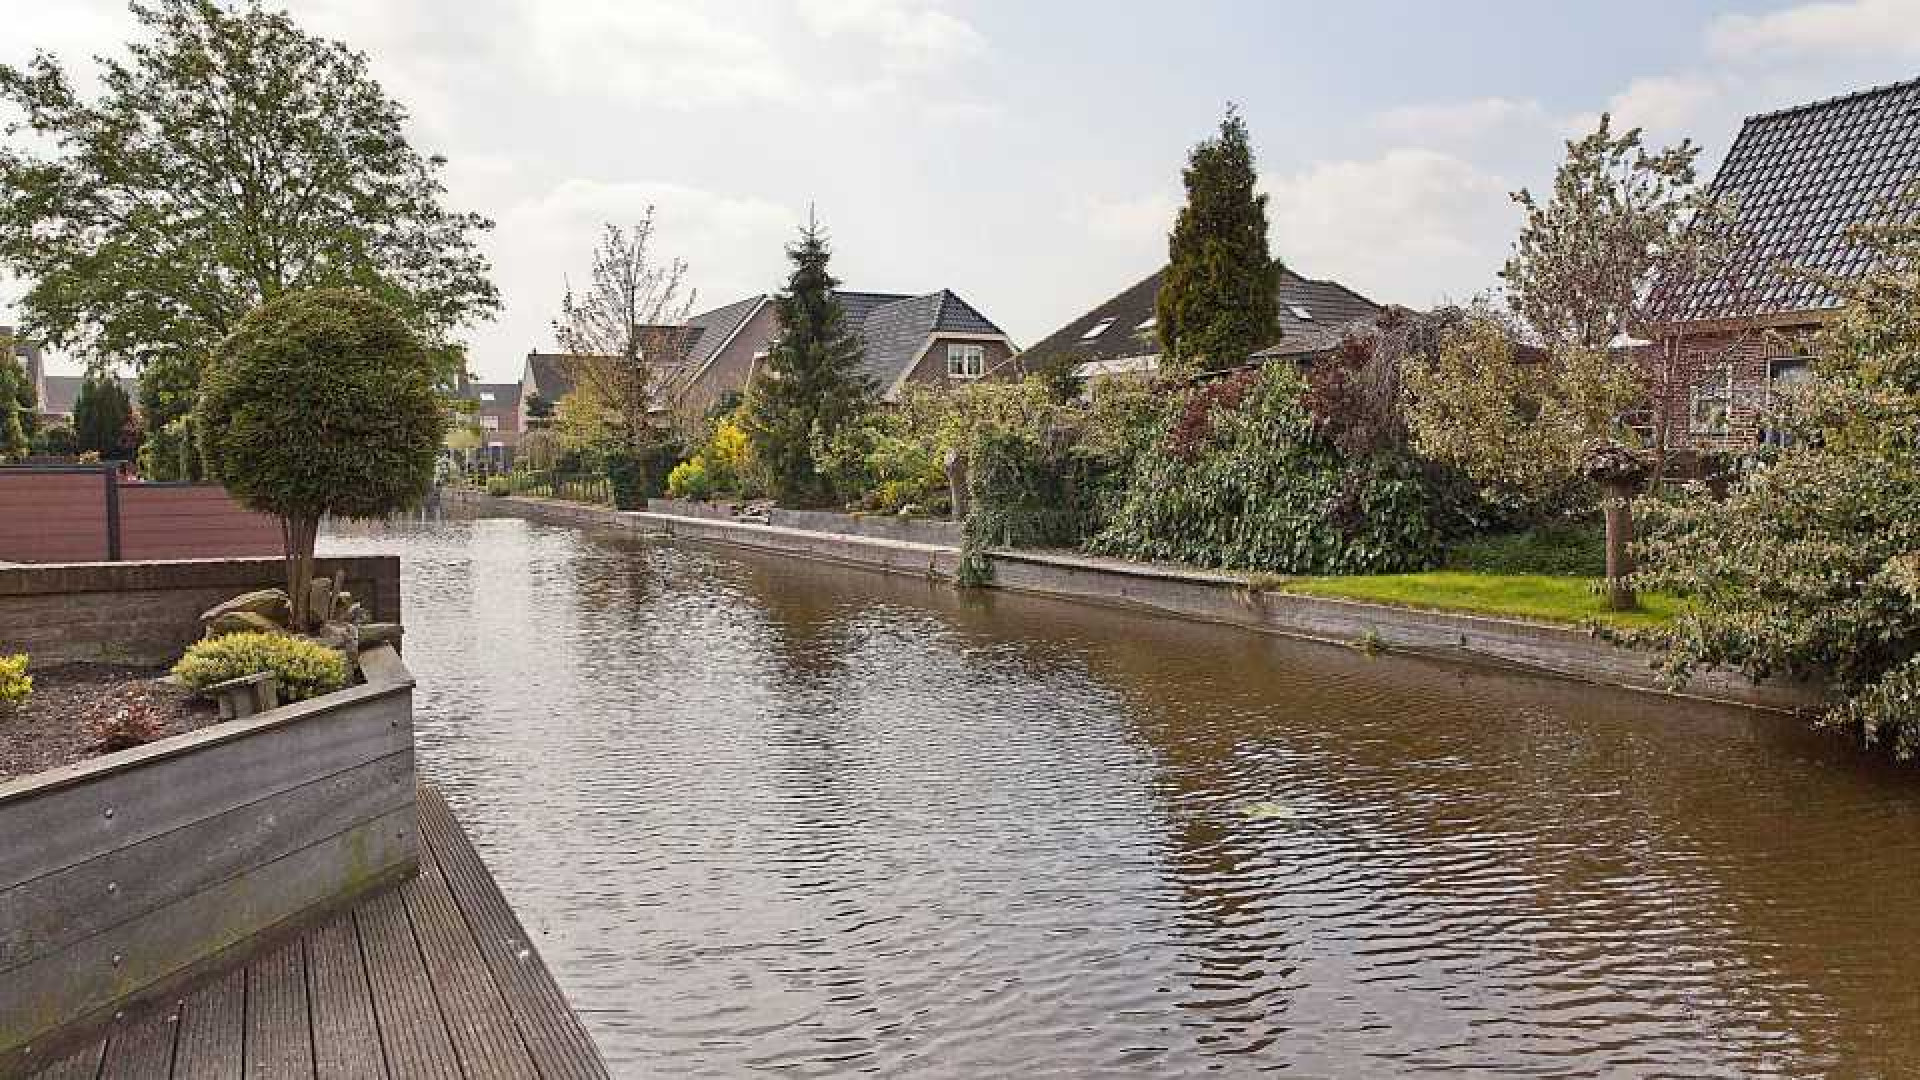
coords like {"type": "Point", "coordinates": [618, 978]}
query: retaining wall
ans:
{"type": "Point", "coordinates": [1539, 648]}
{"type": "Point", "coordinates": [149, 865]}
{"type": "Point", "coordinates": [881, 526]}
{"type": "Point", "coordinates": [147, 612]}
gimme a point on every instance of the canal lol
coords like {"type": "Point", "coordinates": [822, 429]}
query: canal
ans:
{"type": "Point", "coordinates": [764, 815]}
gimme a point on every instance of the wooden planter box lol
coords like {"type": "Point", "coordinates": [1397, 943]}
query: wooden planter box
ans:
{"type": "Point", "coordinates": [122, 876]}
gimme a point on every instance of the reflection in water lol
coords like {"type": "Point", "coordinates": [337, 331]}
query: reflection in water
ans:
{"type": "Point", "coordinates": [771, 815]}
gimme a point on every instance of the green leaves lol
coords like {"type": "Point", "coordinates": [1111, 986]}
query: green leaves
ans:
{"type": "Point", "coordinates": [232, 158]}
{"type": "Point", "coordinates": [1218, 302]}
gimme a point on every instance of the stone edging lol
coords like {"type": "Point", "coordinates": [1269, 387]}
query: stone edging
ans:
{"type": "Point", "coordinates": [1532, 647]}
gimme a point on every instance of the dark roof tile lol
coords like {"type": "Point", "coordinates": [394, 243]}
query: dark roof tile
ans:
{"type": "Point", "coordinates": [1798, 179]}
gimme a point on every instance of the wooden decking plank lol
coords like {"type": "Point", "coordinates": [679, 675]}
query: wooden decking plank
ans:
{"type": "Point", "coordinates": [560, 1045]}
{"type": "Point", "coordinates": [213, 1030]}
{"type": "Point", "coordinates": [484, 1034]}
{"type": "Point", "coordinates": [279, 1033]}
{"type": "Point", "coordinates": [412, 1031]}
{"type": "Point", "coordinates": [143, 1048]}
{"type": "Point", "coordinates": [346, 1040]}
{"type": "Point", "coordinates": [82, 1064]}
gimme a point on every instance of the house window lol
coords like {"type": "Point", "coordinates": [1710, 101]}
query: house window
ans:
{"type": "Point", "coordinates": [1096, 330]}
{"type": "Point", "coordinates": [966, 361]}
{"type": "Point", "coordinates": [490, 423]}
{"type": "Point", "coordinates": [1712, 401]}
{"type": "Point", "coordinates": [486, 395]}
{"type": "Point", "coordinates": [1786, 372]}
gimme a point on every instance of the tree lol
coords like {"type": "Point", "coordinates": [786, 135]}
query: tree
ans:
{"type": "Point", "coordinates": [626, 333]}
{"type": "Point", "coordinates": [1538, 403]}
{"type": "Point", "coordinates": [102, 414]}
{"type": "Point", "coordinates": [812, 383]}
{"type": "Point", "coordinates": [230, 159]}
{"type": "Point", "coordinates": [322, 401]}
{"type": "Point", "coordinates": [1218, 303]}
{"type": "Point", "coordinates": [17, 403]}
{"type": "Point", "coordinates": [1810, 568]}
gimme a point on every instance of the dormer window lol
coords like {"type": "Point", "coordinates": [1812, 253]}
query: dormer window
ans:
{"type": "Point", "coordinates": [966, 361]}
{"type": "Point", "coordinates": [1096, 329]}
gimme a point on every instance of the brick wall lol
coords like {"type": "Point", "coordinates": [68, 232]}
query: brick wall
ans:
{"type": "Point", "coordinates": [1749, 354]}
{"type": "Point", "coordinates": [147, 612]}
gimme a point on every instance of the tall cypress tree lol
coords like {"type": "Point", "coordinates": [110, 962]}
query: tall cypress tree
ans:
{"type": "Point", "coordinates": [100, 415]}
{"type": "Point", "coordinates": [811, 383]}
{"type": "Point", "coordinates": [1218, 303]}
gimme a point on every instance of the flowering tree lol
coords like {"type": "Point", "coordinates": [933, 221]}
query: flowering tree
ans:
{"type": "Point", "coordinates": [1810, 568]}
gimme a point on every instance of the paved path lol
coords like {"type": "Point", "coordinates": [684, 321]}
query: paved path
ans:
{"type": "Point", "coordinates": [434, 978]}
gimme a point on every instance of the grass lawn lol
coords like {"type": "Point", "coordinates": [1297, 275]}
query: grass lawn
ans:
{"type": "Point", "coordinates": [1527, 596]}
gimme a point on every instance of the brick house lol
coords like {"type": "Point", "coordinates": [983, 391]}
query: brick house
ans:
{"type": "Point", "coordinates": [1731, 342]}
{"type": "Point", "coordinates": [931, 339]}
{"type": "Point", "coordinates": [1118, 337]}
{"type": "Point", "coordinates": [498, 412]}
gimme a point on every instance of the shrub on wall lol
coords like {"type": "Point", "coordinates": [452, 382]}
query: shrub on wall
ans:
{"type": "Point", "coordinates": [305, 668]}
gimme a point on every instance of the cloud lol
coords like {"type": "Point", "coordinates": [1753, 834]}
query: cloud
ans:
{"type": "Point", "coordinates": [1127, 217]}
{"type": "Point", "coordinates": [906, 36]}
{"type": "Point", "coordinates": [654, 53]}
{"type": "Point", "coordinates": [1411, 226]}
{"type": "Point", "coordinates": [1459, 121]}
{"type": "Point", "coordinates": [1662, 103]}
{"type": "Point", "coordinates": [1854, 28]}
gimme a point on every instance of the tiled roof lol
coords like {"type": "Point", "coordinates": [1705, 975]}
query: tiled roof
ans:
{"type": "Point", "coordinates": [1797, 179]}
{"type": "Point", "coordinates": [552, 374]}
{"type": "Point", "coordinates": [713, 328]}
{"type": "Point", "coordinates": [59, 392]}
{"type": "Point", "coordinates": [1311, 315]}
{"type": "Point", "coordinates": [892, 327]}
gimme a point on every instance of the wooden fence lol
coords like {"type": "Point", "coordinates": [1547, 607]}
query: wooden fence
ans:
{"type": "Point", "coordinates": [86, 513]}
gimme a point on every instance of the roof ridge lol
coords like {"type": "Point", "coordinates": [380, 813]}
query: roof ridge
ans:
{"type": "Point", "coordinates": [1332, 284]}
{"type": "Point", "coordinates": [1904, 84]}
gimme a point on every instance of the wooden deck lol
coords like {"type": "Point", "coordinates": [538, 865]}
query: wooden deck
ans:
{"type": "Point", "coordinates": [434, 978]}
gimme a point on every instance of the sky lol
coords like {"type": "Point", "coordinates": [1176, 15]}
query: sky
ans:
{"type": "Point", "coordinates": [1027, 154]}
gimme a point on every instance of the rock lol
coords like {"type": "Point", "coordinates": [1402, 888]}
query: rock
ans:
{"type": "Point", "coordinates": [241, 622]}
{"type": "Point", "coordinates": [320, 597]}
{"type": "Point", "coordinates": [342, 637]}
{"type": "Point", "coordinates": [268, 603]}
{"type": "Point", "coordinates": [380, 633]}
{"type": "Point", "coordinates": [353, 613]}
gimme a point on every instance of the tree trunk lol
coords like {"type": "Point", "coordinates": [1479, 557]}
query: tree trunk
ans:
{"type": "Point", "coordinates": [299, 535]}
{"type": "Point", "coordinates": [1617, 501]}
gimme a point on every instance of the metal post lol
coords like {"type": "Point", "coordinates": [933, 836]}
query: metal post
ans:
{"type": "Point", "coordinates": [111, 474]}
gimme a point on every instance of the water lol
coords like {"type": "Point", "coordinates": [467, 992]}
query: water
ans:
{"type": "Point", "coordinates": [770, 816]}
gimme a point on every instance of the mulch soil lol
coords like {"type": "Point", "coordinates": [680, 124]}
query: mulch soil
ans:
{"type": "Point", "coordinates": [61, 721]}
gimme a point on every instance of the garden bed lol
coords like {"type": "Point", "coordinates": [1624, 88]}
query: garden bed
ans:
{"type": "Point", "coordinates": [60, 722]}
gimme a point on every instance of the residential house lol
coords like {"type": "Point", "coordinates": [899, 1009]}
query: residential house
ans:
{"type": "Point", "coordinates": [1120, 337]}
{"type": "Point", "coordinates": [1732, 340]}
{"type": "Point", "coordinates": [497, 410]}
{"type": "Point", "coordinates": [931, 339]}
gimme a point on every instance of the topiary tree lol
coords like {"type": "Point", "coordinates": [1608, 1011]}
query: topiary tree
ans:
{"type": "Point", "coordinates": [321, 402]}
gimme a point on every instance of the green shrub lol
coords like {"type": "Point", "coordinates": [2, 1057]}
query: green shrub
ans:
{"type": "Point", "coordinates": [1239, 476]}
{"type": "Point", "coordinates": [1563, 550]}
{"type": "Point", "coordinates": [499, 485]}
{"type": "Point", "coordinates": [56, 440]}
{"type": "Point", "coordinates": [690, 480]}
{"type": "Point", "coordinates": [638, 475]}
{"type": "Point", "coordinates": [15, 683]}
{"type": "Point", "coordinates": [305, 668]}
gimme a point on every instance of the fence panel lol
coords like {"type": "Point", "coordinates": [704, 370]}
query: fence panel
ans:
{"type": "Point", "coordinates": [54, 515]}
{"type": "Point", "coordinates": [198, 521]}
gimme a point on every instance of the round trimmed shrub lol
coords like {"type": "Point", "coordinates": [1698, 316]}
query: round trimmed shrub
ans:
{"type": "Point", "coordinates": [305, 668]}
{"type": "Point", "coordinates": [322, 401]}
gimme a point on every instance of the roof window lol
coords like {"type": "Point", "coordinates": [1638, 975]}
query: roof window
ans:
{"type": "Point", "coordinates": [1300, 313]}
{"type": "Point", "coordinates": [1096, 330]}
{"type": "Point", "coordinates": [1148, 323]}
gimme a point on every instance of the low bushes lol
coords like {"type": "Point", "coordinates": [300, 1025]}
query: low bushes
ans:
{"type": "Point", "coordinates": [1565, 550]}
{"type": "Point", "coordinates": [15, 683]}
{"type": "Point", "coordinates": [305, 668]}
{"type": "Point", "coordinates": [499, 485]}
